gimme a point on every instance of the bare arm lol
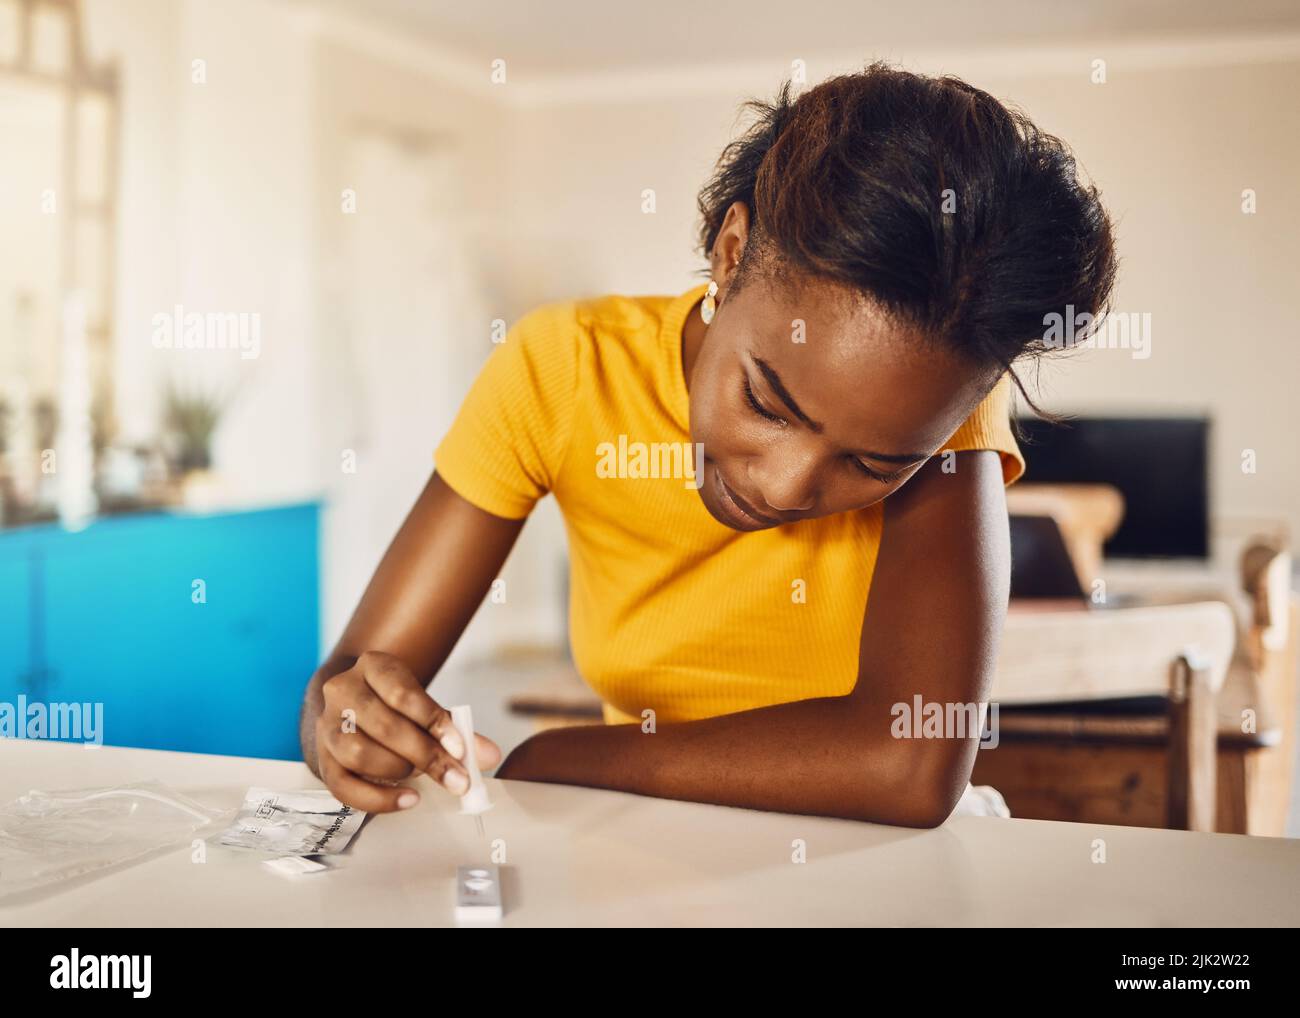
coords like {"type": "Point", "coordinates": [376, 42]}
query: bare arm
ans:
{"type": "Point", "coordinates": [427, 587]}
{"type": "Point", "coordinates": [937, 604]}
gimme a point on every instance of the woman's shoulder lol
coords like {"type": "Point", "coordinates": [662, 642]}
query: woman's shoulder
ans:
{"type": "Point", "coordinates": [609, 309]}
{"type": "Point", "coordinates": [596, 324]}
{"type": "Point", "coordinates": [625, 312]}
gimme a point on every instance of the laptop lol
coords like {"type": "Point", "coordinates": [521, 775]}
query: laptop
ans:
{"type": "Point", "coordinates": [1041, 567]}
{"type": "Point", "coordinates": [1042, 570]}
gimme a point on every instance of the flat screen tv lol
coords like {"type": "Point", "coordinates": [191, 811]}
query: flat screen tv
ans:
{"type": "Point", "coordinates": [1159, 464]}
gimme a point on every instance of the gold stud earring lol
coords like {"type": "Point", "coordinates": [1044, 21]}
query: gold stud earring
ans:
{"type": "Point", "coordinates": [708, 306]}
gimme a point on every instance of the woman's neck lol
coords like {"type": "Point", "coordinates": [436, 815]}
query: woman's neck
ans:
{"type": "Point", "coordinates": [692, 341]}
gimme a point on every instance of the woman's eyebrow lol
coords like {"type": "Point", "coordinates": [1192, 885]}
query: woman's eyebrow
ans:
{"type": "Point", "coordinates": [774, 380]}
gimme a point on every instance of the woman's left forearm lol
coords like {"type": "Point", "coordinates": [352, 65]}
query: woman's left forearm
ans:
{"type": "Point", "coordinates": [830, 756]}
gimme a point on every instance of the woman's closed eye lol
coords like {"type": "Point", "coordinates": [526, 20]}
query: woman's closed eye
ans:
{"type": "Point", "coordinates": [758, 407]}
{"type": "Point", "coordinates": [875, 475]}
{"type": "Point", "coordinates": [862, 467]}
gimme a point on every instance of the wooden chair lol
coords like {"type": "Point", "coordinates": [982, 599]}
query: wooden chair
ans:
{"type": "Point", "coordinates": [1110, 716]}
{"type": "Point", "coordinates": [1257, 707]}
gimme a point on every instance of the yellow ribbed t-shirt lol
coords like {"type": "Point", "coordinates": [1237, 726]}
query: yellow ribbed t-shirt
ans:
{"type": "Point", "coordinates": [669, 609]}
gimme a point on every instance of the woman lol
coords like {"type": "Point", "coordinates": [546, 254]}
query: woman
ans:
{"type": "Point", "coordinates": [740, 465]}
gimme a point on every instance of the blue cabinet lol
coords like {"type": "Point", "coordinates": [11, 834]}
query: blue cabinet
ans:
{"type": "Point", "coordinates": [16, 656]}
{"type": "Point", "coordinates": [196, 633]}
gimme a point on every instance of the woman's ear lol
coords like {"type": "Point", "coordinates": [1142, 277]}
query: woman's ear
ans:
{"type": "Point", "coordinates": [729, 245]}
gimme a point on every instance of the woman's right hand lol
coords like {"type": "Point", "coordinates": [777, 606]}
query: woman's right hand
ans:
{"type": "Point", "coordinates": [378, 726]}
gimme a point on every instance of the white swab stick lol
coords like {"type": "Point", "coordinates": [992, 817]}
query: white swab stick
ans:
{"type": "Point", "coordinates": [475, 800]}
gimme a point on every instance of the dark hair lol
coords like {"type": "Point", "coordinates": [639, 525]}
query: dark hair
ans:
{"type": "Point", "coordinates": [847, 183]}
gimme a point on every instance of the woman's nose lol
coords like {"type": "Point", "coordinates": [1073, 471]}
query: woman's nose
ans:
{"type": "Point", "coordinates": [782, 505]}
{"type": "Point", "coordinates": [788, 488]}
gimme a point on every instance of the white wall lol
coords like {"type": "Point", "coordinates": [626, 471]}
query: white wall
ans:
{"type": "Point", "coordinates": [216, 184]}
{"type": "Point", "coordinates": [230, 201]}
{"type": "Point", "coordinates": [393, 366]}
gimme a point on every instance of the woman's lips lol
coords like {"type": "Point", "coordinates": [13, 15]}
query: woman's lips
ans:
{"type": "Point", "coordinates": [737, 509]}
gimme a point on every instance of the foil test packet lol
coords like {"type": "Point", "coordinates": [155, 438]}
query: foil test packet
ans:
{"type": "Point", "coordinates": [310, 822]}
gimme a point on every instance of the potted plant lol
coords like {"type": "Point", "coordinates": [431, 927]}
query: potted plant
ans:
{"type": "Point", "coordinates": [190, 420]}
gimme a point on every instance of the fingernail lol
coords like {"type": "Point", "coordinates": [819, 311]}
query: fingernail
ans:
{"type": "Point", "coordinates": [453, 744]}
{"type": "Point", "coordinates": [455, 782]}
{"type": "Point", "coordinates": [406, 800]}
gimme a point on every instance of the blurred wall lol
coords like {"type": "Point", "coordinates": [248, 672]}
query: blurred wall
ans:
{"type": "Point", "coordinates": [233, 200]}
{"type": "Point", "coordinates": [215, 216]}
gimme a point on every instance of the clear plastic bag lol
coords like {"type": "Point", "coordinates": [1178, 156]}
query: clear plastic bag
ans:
{"type": "Point", "coordinates": [51, 837]}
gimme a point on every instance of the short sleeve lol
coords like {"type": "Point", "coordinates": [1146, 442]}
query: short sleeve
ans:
{"type": "Point", "coordinates": [508, 440]}
{"type": "Point", "coordinates": [989, 427]}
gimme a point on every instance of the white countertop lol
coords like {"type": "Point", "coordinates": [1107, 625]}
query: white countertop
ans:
{"type": "Point", "coordinates": [584, 857]}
